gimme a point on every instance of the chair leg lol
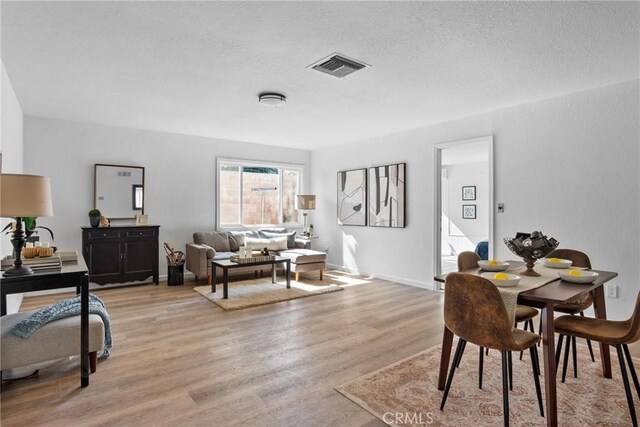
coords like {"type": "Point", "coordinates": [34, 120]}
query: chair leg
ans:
{"type": "Point", "coordinates": [559, 351]}
{"type": "Point", "coordinates": [456, 358]}
{"type": "Point", "coordinates": [631, 368]}
{"type": "Point", "coordinates": [505, 388]}
{"type": "Point", "coordinates": [481, 362]}
{"type": "Point", "coordinates": [93, 361]}
{"type": "Point", "coordinates": [510, 371]}
{"type": "Point", "coordinates": [321, 273]}
{"type": "Point", "coordinates": [296, 276]}
{"type": "Point", "coordinates": [566, 358]}
{"type": "Point", "coordinates": [464, 345]}
{"type": "Point", "coordinates": [575, 357]}
{"type": "Point", "coordinates": [627, 388]}
{"type": "Point", "coordinates": [593, 359]}
{"type": "Point", "coordinates": [540, 332]}
{"type": "Point", "coordinates": [486, 352]}
{"type": "Point", "coordinates": [533, 351]}
{"type": "Point", "coordinates": [526, 326]}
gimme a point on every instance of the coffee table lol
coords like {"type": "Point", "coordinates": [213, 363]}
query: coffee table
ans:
{"type": "Point", "coordinates": [226, 264]}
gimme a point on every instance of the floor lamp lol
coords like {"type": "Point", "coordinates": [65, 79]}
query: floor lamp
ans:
{"type": "Point", "coordinates": [23, 196]}
{"type": "Point", "coordinates": [305, 202]}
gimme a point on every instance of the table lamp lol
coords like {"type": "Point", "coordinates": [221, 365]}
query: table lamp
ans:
{"type": "Point", "coordinates": [23, 196]}
{"type": "Point", "coordinates": [305, 202]}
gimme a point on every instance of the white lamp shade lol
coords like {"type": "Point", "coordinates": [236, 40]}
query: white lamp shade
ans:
{"type": "Point", "coordinates": [306, 202]}
{"type": "Point", "coordinates": [25, 196]}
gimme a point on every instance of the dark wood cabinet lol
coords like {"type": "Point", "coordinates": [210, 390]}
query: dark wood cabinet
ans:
{"type": "Point", "coordinates": [121, 254]}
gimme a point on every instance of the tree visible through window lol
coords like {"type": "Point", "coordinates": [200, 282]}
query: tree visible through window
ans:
{"type": "Point", "coordinates": [257, 194]}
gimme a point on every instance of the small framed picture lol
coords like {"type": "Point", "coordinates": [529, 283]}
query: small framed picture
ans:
{"type": "Point", "coordinates": [142, 219]}
{"type": "Point", "coordinates": [469, 211]}
{"type": "Point", "coordinates": [469, 192]}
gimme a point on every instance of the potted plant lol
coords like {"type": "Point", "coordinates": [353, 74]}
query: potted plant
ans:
{"type": "Point", "coordinates": [94, 217]}
{"type": "Point", "coordinates": [30, 226]}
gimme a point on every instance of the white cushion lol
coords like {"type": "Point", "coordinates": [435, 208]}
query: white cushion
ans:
{"type": "Point", "coordinates": [273, 243]}
{"type": "Point", "coordinates": [54, 340]}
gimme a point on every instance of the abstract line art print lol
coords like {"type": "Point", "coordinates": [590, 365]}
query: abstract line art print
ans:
{"type": "Point", "coordinates": [352, 197]}
{"type": "Point", "coordinates": [387, 196]}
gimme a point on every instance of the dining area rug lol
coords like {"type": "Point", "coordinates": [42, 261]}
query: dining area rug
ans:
{"type": "Point", "coordinates": [257, 292]}
{"type": "Point", "coordinates": [405, 393]}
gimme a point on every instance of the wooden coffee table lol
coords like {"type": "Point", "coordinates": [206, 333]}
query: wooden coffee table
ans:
{"type": "Point", "coordinates": [227, 264]}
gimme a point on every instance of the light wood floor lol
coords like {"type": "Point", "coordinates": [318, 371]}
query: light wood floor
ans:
{"type": "Point", "coordinates": [180, 360]}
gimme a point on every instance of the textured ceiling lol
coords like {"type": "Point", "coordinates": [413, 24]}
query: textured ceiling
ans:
{"type": "Point", "coordinates": [197, 67]}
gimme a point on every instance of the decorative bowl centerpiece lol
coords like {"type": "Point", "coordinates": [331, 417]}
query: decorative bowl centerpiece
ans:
{"type": "Point", "coordinates": [531, 247]}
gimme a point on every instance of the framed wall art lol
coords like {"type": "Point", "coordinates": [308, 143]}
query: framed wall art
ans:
{"type": "Point", "coordinates": [352, 197]}
{"type": "Point", "coordinates": [468, 211]}
{"type": "Point", "coordinates": [469, 192]}
{"type": "Point", "coordinates": [387, 195]}
{"type": "Point", "coordinates": [142, 219]}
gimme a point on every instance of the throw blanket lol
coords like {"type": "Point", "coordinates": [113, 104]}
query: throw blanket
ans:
{"type": "Point", "coordinates": [63, 309]}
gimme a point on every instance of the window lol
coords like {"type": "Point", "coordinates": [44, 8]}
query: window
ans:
{"type": "Point", "coordinates": [255, 194]}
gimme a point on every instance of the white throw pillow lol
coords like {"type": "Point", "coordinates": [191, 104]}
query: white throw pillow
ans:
{"type": "Point", "coordinates": [273, 244]}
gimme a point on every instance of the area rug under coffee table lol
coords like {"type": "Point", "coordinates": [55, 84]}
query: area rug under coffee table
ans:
{"type": "Point", "coordinates": [405, 393]}
{"type": "Point", "coordinates": [255, 292]}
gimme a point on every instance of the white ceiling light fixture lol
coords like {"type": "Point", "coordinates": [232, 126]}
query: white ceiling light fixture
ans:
{"type": "Point", "coordinates": [272, 99]}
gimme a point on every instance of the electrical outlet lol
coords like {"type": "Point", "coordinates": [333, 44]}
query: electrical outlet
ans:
{"type": "Point", "coordinates": [612, 291]}
{"type": "Point", "coordinates": [501, 207]}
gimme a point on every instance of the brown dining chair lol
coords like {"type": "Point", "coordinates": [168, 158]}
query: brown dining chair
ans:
{"type": "Point", "coordinates": [475, 312]}
{"type": "Point", "coordinates": [577, 306]}
{"type": "Point", "coordinates": [468, 260]}
{"type": "Point", "coordinates": [612, 332]}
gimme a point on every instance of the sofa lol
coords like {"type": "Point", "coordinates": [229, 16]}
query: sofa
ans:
{"type": "Point", "coordinates": [219, 245]}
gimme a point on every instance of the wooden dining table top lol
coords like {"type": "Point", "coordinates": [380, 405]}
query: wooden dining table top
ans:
{"type": "Point", "coordinates": [558, 291]}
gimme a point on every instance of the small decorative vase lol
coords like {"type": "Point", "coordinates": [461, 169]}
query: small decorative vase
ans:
{"type": "Point", "coordinates": [94, 221]}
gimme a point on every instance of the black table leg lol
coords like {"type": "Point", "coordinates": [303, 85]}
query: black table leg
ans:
{"type": "Point", "coordinates": [84, 332]}
{"type": "Point", "coordinates": [225, 278]}
{"type": "Point", "coordinates": [213, 278]}
{"type": "Point", "coordinates": [3, 302]}
{"type": "Point", "coordinates": [288, 273]}
{"type": "Point", "coordinates": [273, 273]}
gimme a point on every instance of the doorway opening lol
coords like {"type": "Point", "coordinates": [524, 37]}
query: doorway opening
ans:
{"type": "Point", "coordinates": [464, 201]}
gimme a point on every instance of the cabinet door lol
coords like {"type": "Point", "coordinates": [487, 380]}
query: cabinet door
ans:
{"type": "Point", "coordinates": [103, 260]}
{"type": "Point", "coordinates": [140, 259]}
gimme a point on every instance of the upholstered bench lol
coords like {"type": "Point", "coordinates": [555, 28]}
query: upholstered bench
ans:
{"type": "Point", "coordinates": [55, 340]}
{"type": "Point", "coordinates": [305, 260]}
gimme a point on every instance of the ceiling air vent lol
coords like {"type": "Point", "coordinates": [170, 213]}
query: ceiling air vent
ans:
{"type": "Point", "coordinates": [338, 65]}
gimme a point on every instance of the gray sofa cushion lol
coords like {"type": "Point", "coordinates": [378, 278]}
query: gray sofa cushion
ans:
{"type": "Point", "coordinates": [218, 240]}
{"type": "Point", "coordinates": [291, 236]}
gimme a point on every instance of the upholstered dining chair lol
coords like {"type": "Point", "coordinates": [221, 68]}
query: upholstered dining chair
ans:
{"type": "Point", "coordinates": [468, 260]}
{"type": "Point", "coordinates": [612, 332]}
{"type": "Point", "coordinates": [578, 306]}
{"type": "Point", "coordinates": [475, 312]}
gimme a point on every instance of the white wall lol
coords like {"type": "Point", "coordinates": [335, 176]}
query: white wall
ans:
{"type": "Point", "coordinates": [180, 173]}
{"type": "Point", "coordinates": [459, 233]}
{"type": "Point", "coordinates": [568, 166]}
{"type": "Point", "coordinates": [11, 146]}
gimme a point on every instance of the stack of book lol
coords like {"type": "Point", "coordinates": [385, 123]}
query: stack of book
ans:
{"type": "Point", "coordinates": [37, 264]}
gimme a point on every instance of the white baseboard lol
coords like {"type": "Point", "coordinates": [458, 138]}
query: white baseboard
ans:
{"type": "Point", "coordinates": [400, 280]}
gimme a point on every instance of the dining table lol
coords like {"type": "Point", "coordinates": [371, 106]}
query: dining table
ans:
{"type": "Point", "coordinates": [551, 292]}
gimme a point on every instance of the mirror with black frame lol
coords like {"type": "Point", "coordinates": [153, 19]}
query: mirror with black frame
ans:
{"type": "Point", "coordinates": [119, 190]}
